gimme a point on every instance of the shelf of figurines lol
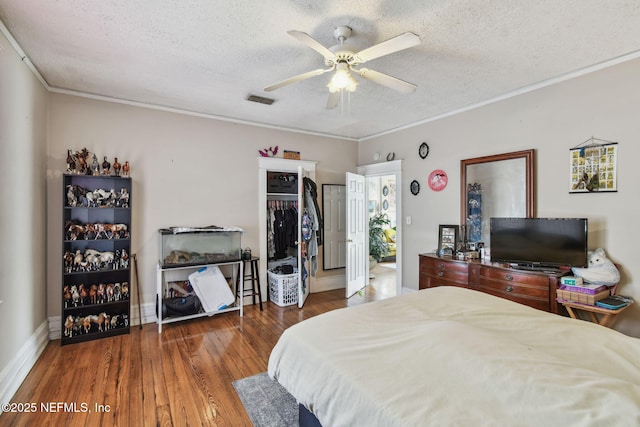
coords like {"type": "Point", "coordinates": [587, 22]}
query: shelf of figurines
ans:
{"type": "Point", "coordinates": [81, 197]}
{"type": "Point", "coordinates": [96, 243]}
{"type": "Point", "coordinates": [81, 296]}
{"type": "Point", "coordinates": [84, 162]}
{"type": "Point", "coordinates": [85, 325]}
{"type": "Point", "coordinates": [76, 230]}
{"type": "Point", "coordinates": [92, 260]}
{"type": "Point", "coordinates": [95, 308]}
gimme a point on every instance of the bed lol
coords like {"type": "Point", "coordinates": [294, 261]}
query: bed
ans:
{"type": "Point", "coordinates": [454, 356]}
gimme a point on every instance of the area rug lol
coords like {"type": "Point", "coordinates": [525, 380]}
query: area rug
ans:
{"type": "Point", "coordinates": [267, 403]}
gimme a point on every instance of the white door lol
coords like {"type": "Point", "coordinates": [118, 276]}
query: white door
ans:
{"type": "Point", "coordinates": [334, 202]}
{"type": "Point", "coordinates": [303, 263]}
{"type": "Point", "coordinates": [357, 229]}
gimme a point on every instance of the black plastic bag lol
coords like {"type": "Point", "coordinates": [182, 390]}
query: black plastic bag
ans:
{"type": "Point", "coordinates": [181, 306]}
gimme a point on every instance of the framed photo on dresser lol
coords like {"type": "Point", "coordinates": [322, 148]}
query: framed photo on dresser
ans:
{"type": "Point", "coordinates": [447, 239]}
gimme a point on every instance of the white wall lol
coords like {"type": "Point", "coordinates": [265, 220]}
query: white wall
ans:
{"type": "Point", "coordinates": [552, 120]}
{"type": "Point", "coordinates": [186, 170]}
{"type": "Point", "coordinates": [23, 121]}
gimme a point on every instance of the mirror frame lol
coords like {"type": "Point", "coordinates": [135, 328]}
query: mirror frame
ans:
{"type": "Point", "coordinates": [530, 199]}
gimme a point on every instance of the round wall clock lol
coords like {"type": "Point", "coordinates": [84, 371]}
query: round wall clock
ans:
{"type": "Point", "coordinates": [438, 180]}
{"type": "Point", "coordinates": [423, 151]}
{"type": "Point", "coordinates": [415, 187]}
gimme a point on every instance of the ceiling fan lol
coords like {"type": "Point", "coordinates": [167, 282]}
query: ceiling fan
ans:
{"type": "Point", "coordinates": [343, 59]}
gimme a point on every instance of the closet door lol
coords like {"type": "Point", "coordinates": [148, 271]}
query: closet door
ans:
{"type": "Point", "coordinates": [304, 270]}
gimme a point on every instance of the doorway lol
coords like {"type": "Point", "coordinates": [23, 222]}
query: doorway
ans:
{"type": "Point", "coordinates": [388, 273]}
{"type": "Point", "coordinates": [382, 215]}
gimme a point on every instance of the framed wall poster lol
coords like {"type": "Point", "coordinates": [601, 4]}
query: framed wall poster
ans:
{"type": "Point", "coordinates": [447, 239]}
{"type": "Point", "coordinates": [593, 169]}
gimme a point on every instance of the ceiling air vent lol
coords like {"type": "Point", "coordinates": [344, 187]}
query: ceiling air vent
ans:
{"type": "Point", "coordinates": [260, 99]}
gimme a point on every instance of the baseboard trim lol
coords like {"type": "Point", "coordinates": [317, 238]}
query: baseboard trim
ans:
{"type": "Point", "coordinates": [55, 327]}
{"type": "Point", "coordinates": [148, 311]}
{"type": "Point", "coordinates": [16, 371]}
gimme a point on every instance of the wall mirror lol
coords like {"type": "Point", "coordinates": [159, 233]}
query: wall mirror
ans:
{"type": "Point", "coordinates": [501, 185]}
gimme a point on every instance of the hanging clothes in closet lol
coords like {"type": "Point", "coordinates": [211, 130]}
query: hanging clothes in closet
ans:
{"type": "Point", "coordinates": [283, 224]}
{"type": "Point", "coordinates": [312, 220]}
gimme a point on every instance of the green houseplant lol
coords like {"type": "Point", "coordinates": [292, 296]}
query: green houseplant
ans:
{"type": "Point", "coordinates": [377, 239]}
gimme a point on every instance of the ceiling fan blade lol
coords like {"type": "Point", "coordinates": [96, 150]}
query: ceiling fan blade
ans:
{"type": "Point", "coordinates": [312, 43]}
{"type": "Point", "coordinates": [333, 100]}
{"type": "Point", "coordinates": [403, 41]}
{"type": "Point", "coordinates": [386, 80]}
{"type": "Point", "coordinates": [297, 78]}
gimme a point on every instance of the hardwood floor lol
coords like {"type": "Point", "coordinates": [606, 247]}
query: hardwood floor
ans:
{"type": "Point", "coordinates": [383, 278]}
{"type": "Point", "coordinates": [181, 377]}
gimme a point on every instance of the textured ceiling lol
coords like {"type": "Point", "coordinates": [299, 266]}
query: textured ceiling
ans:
{"type": "Point", "coordinates": [207, 56]}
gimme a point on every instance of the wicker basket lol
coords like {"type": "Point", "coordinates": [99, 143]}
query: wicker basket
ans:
{"type": "Point", "coordinates": [283, 288]}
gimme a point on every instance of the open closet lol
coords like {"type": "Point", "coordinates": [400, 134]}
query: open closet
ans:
{"type": "Point", "coordinates": [289, 229]}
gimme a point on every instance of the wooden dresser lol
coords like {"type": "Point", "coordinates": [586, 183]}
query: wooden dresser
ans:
{"type": "Point", "coordinates": [533, 288]}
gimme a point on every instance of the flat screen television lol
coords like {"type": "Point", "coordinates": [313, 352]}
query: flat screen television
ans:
{"type": "Point", "coordinates": [539, 242]}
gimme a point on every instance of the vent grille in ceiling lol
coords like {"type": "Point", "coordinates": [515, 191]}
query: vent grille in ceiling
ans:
{"type": "Point", "coordinates": [260, 99]}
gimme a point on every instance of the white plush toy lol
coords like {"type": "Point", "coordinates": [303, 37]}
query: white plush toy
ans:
{"type": "Point", "coordinates": [601, 270]}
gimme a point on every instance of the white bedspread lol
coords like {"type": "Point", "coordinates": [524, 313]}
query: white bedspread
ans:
{"type": "Point", "coordinates": [453, 356]}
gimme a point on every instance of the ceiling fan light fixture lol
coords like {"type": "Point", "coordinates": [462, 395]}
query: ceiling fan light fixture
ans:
{"type": "Point", "coordinates": [342, 79]}
{"type": "Point", "coordinates": [343, 59]}
{"type": "Point", "coordinates": [352, 84]}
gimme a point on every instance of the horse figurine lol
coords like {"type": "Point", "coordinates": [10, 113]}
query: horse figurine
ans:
{"type": "Point", "coordinates": [106, 166]}
{"type": "Point", "coordinates": [71, 163]}
{"type": "Point", "coordinates": [95, 166]}
{"type": "Point", "coordinates": [116, 167]}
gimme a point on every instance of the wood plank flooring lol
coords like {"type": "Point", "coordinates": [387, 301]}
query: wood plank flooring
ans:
{"type": "Point", "coordinates": [181, 377]}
